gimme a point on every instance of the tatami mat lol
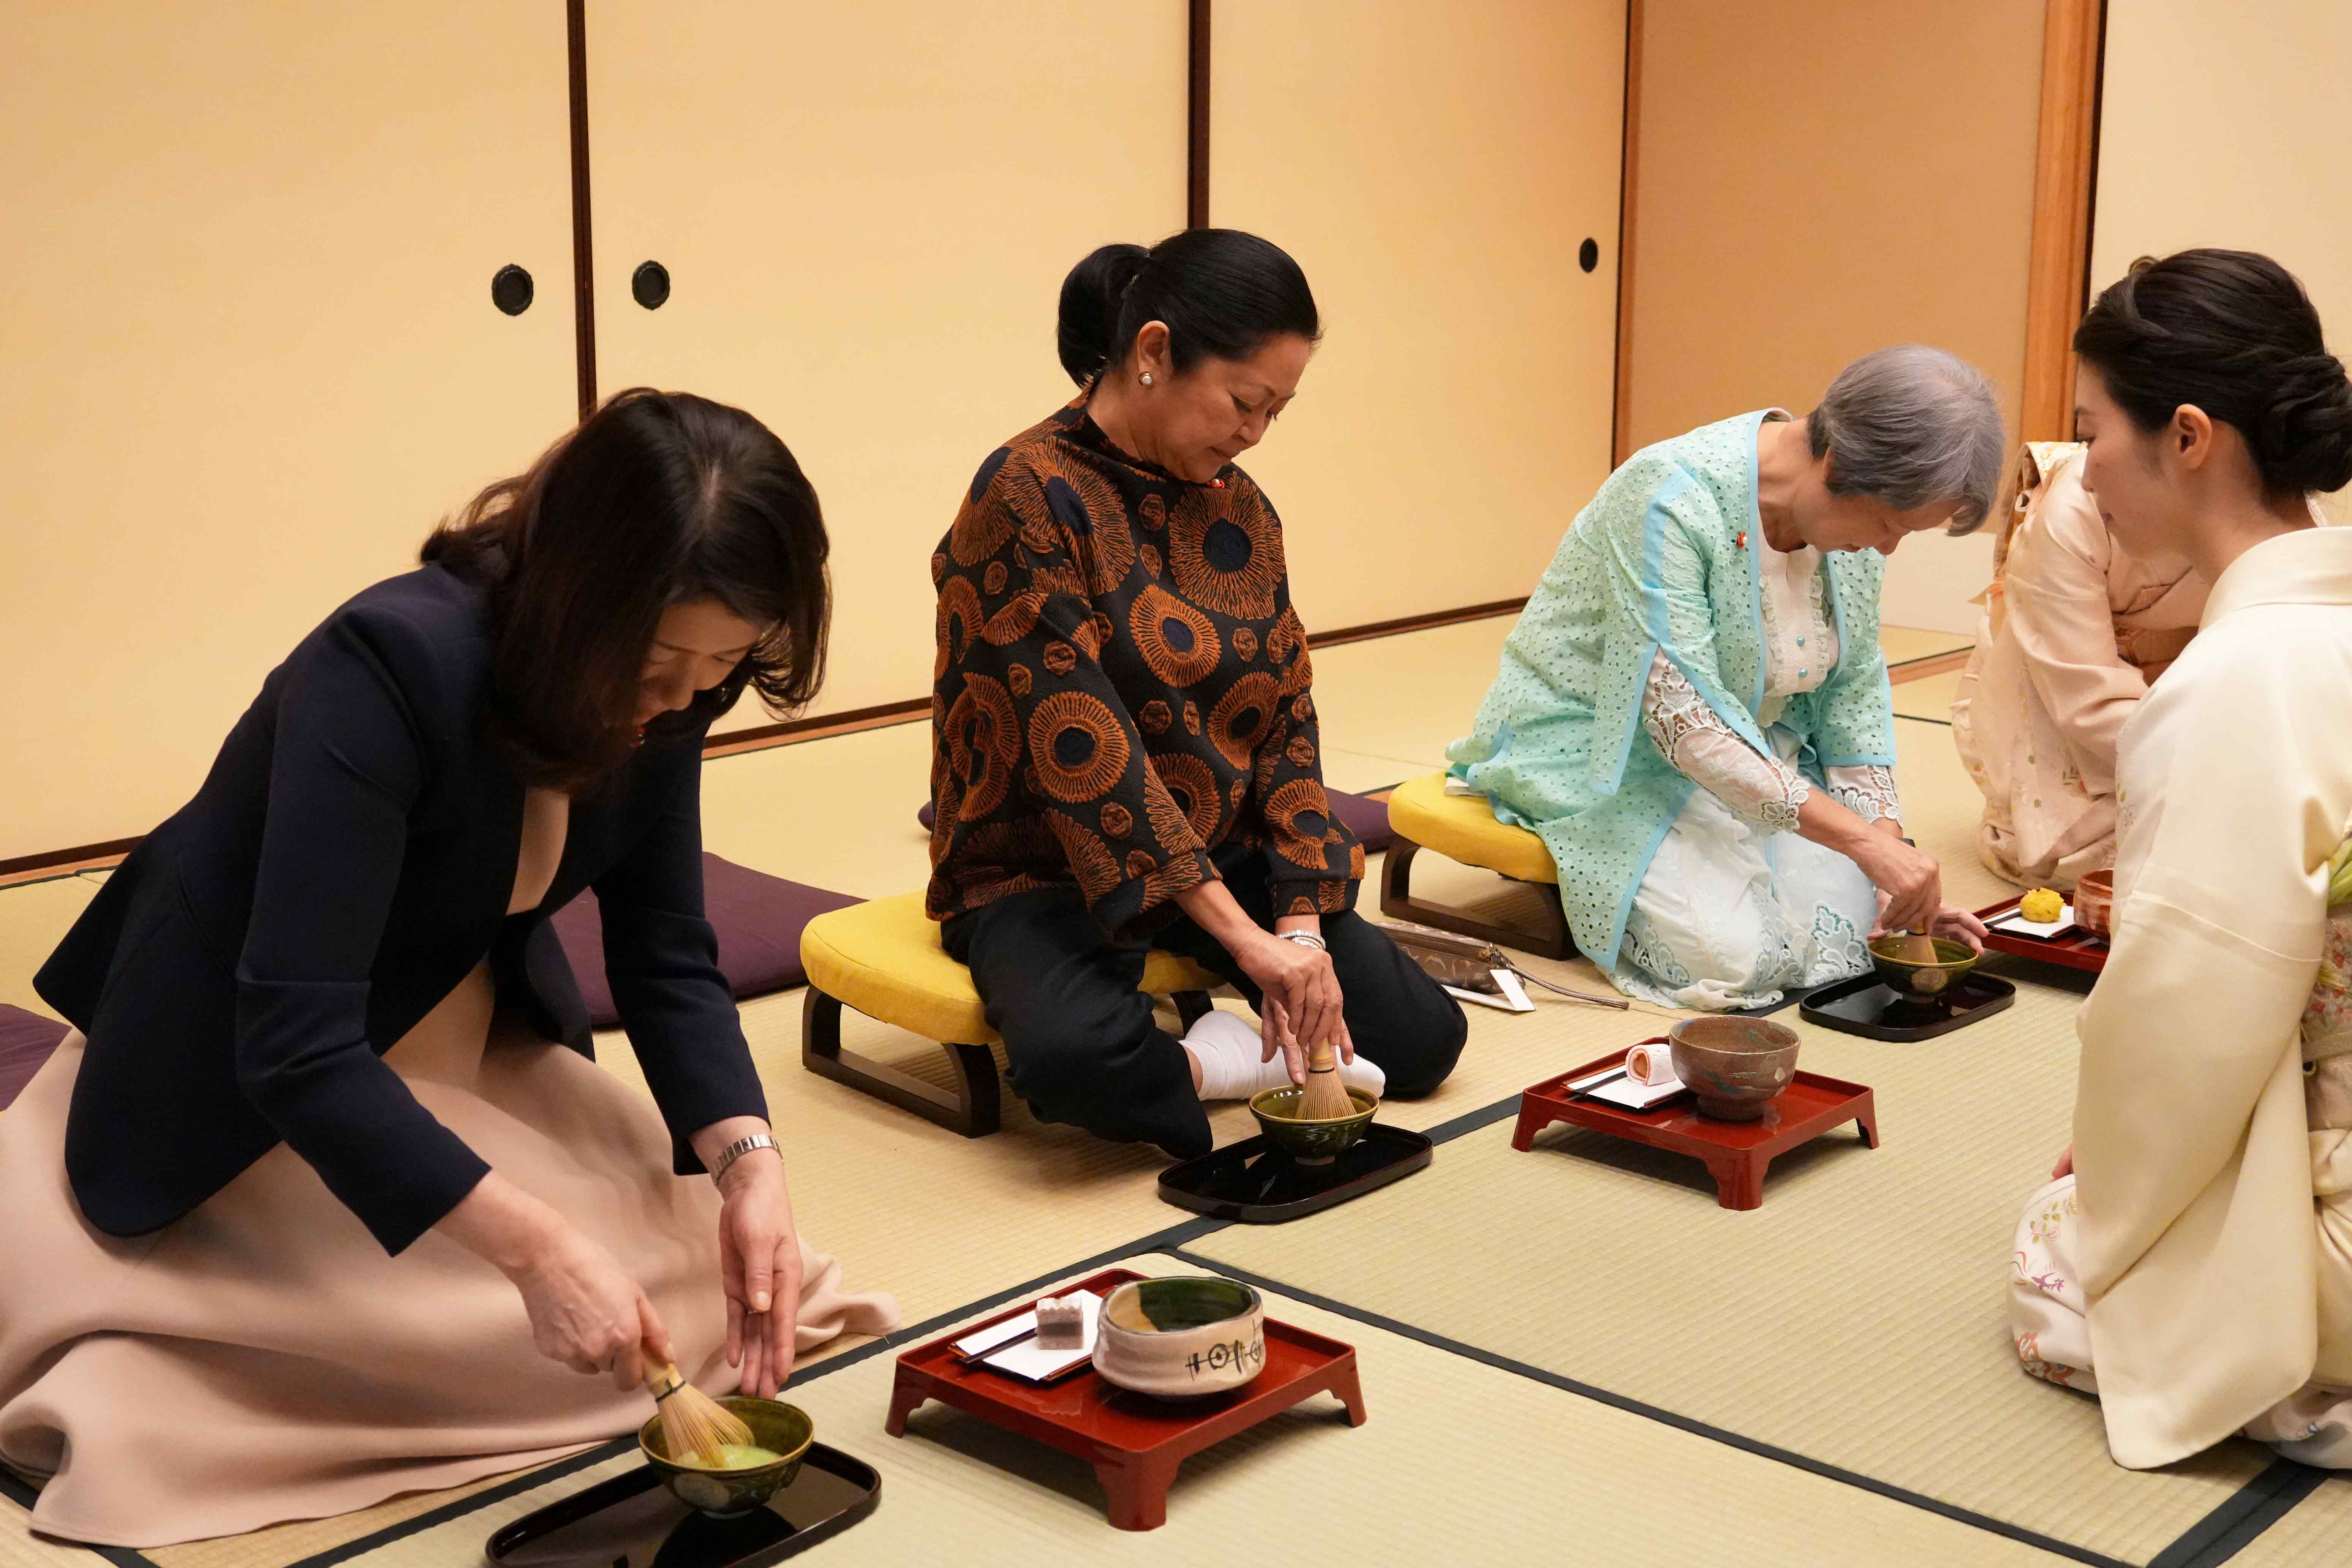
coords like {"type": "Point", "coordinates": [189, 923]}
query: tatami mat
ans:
{"type": "Point", "coordinates": [1929, 696]}
{"type": "Point", "coordinates": [19, 1548]}
{"type": "Point", "coordinates": [1858, 1318]}
{"type": "Point", "coordinates": [2316, 1534]}
{"type": "Point", "coordinates": [1903, 645]}
{"type": "Point", "coordinates": [1511, 1470]}
{"type": "Point", "coordinates": [1942, 807]}
{"type": "Point", "coordinates": [1407, 695]}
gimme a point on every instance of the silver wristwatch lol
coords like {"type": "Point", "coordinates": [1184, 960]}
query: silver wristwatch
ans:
{"type": "Point", "coordinates": [737, 1150]}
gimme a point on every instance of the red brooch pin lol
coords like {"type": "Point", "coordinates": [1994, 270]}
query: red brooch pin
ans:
{"type": "Point", "coordinates": [1742, 539]}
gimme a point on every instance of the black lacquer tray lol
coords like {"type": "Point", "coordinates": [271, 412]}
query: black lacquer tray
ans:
{"type": "Point", "coordinates": [1258, 1185]}
{"type": "Point", "coordinates": [1868, 1006]}
{"type": "Point", "coordinates": [630, 1521]}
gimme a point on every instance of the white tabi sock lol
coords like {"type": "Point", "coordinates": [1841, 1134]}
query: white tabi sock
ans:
{"type": "Point", "coordinates": [1227, 1050]}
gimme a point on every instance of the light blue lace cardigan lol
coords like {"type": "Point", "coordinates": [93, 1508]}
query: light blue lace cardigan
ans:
{"type": "Point", "coordinates": [1663, 558]}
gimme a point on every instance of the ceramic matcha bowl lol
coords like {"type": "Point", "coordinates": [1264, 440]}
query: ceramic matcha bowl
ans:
{"type": "Point", "coordinates": [1306, 1141]}
{"type": "Point", "coordinates": [1911, 977]}
{"type": "Point", "coordinates": [1184, 1337]}
{"type": "Point", "coordinates": [1736, 1067]}
{"type": "Point", "coordinates": [785, 1430]}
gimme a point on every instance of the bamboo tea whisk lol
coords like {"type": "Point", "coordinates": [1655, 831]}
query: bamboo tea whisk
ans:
{"type": "Point", "coordinates": [1325, 1098]}
{"type": "Point", "coordinates": [694, 1425]}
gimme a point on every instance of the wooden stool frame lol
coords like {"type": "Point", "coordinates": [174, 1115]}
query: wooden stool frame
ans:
{"type": "Point", "coordinates": [975, 1108]}
{"type": "Point", "coordinates": [1397, 902]}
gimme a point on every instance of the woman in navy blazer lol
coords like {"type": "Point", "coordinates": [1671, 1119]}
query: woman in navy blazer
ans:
{"type": "Point", "coordinates": [362, 853]}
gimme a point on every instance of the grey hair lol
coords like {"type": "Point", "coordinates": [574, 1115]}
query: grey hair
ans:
{"type": "Point", "coordinates": [1911, 426]}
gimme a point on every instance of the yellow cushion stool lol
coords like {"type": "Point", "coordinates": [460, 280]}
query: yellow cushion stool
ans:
{"type": "Point", "coordinates": [884, 959]}
{"type": "Point", "coordinates": [1463, 828]}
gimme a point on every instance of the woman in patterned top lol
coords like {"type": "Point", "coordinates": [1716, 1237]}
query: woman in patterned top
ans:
{"type": "Point", "coordinates": [1125, 750]}
{"type": "Point", "coordinates": [1692, 710]}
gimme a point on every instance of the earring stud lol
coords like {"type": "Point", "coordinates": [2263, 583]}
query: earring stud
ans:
{"type": "Point", "coordinates": [1146, 378]}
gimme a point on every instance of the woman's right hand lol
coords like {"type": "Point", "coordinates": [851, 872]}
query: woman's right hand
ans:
{"type": "Point", "coordinates": [586, 1313]}
{"type": "Point", "coordinates": [1912, 879]}
{"type": "Point", "coordinates": [1303, 1005]}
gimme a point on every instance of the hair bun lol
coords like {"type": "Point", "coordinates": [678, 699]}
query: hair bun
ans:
{"type": "Point", "coordinates": [1088, 319]}
{"type": "Point", "coordinates": [2305, 437]}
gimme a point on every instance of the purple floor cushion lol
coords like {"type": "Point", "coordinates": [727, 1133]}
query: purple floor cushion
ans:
{"type": "Point", "coordinates": [758, 919]}
{"type": "Point", "coordinates": [1368, 819]}
{"type": "Point", "coordinates": [27, 1040]}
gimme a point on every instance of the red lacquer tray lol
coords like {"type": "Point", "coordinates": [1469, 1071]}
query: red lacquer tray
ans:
{"type": "Point", "coordinates": [1736, 1151]}
{"type": "Point", "coordinates": [1134, 1442]}
{"type": "Point", "coordinates": [2076, 949]}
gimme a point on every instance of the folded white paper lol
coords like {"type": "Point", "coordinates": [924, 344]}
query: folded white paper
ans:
{"type": "Point", "coordinates": [1513, 998]}
{"type": "Point", "coordinates": [1025, 1358]}
{"type": "Point", "coordinates": [1460, 786]}
{"type": "Point", "coordinates": [2018, 923]}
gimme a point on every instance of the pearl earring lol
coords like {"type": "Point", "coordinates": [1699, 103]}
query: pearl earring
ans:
{"type": "Point", "coordinates": [1146, 378]}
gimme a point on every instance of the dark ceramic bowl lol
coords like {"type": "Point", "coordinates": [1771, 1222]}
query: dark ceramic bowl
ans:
{"type": "Point", "coordinates": [1953, 959]}
{"type": "Point", "coordinates": [785, 1429]}
{"type": "Point", "coordinates": [1309, 1143]}
{"type": "Point", "coordinates": [1735, 1066]}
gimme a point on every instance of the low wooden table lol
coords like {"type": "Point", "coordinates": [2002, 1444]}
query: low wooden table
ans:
{"type": "Point", "coordinates": [1735, 1153]}
{"type": "Point", "coordinates": [2074, 948]}
{"type": "Point", "coordinates": [1134, 1442]}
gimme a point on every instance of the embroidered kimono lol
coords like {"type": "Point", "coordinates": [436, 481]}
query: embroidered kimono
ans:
{"type": "Point", "coordinates": [1673, 691]}
{"type": "Point", "coordinates": [2196, 1271]}
{"type": "Point", "coordinates": [2075, 631]}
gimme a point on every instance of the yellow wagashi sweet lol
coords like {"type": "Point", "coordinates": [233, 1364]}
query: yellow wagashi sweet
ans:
{"type": "Point", "coordinates": [2042, 906]}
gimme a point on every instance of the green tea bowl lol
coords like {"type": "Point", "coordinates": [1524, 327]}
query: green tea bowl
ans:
{"type": "Point", "coordinates": [1909, 977]}
{"type": "Point", "coordinates": [1309, 1143]}
{"type": "Point", "coordinates": [785, 1429]}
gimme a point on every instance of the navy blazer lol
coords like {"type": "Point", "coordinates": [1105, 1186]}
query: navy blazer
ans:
{"type": "Point", "coordinates": [347, 860]}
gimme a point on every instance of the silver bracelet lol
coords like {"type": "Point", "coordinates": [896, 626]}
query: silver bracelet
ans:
{"type": "Point", "coordinates": [737, 1150]}
{"type": "Point", "coordinates": [1304, 939]}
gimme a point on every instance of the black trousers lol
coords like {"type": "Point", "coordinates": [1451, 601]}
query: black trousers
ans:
{"type": "Point", "coordinates": [1080, 1038]}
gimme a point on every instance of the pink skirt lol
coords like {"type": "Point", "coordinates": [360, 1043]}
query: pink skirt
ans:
{"type": "Point", "coordinates": [262, 1360]}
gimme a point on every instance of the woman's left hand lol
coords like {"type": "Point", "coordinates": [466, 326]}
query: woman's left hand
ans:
{"type": "Point", "coordinates": [760, 1270]}
{"type": "Point", "coordinates": [1959, 925]}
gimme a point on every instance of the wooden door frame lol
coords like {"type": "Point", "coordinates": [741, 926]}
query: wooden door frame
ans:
{"type": "Point", "coordinates": [2066, 180]}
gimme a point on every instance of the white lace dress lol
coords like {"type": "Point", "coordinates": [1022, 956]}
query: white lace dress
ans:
{"type": "Point", "coordinates": [1735, 908]}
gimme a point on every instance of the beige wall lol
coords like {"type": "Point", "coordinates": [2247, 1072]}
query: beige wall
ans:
{"type": "Point", "coordinates": [248, 355]}
{"type": "Point", "coordinates": [2223, 123]}
{"type": "Point", "coordinates": [1819, 178]}
{"type": "Point", "coordinates": [1434, 170]}
{"type": "Point", "coordinates": [866, 213]}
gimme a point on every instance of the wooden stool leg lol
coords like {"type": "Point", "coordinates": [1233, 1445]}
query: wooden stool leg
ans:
{"type": "Point", "coordinates": [1553, 941]}
{"type": "Point", "coordinates": [1138, 1490]}
{"type": "Point", "coordinates": [1192, 1006]}
{"type": "Point", "coordinates": [973, 1110]}
{"type": "Point", "coordinates": [1865, 1121]}
{"type": "Point", "coordinates": [1533, 1119]}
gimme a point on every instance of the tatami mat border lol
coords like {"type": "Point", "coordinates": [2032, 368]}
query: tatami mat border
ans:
{"type": "Point", "coordinates": [2213, 1539]}
{"type": "Point", "coordinates": [2246, 1513]}
{"type": "Point", "coordinates": [1666, 1417]}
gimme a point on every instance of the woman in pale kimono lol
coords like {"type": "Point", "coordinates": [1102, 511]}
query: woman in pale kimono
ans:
{"type": "Point", "coordinates": [1692, 710]}
{"type": "Point", "coordinates": [2190, 1262]}
{"type": "Point", "coordinates": [2076, 629]}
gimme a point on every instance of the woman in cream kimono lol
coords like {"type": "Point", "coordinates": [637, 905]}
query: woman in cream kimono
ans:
{"type": "Point", "coordinates": [1692, 710]}
{"type": "Point", "coordinates": [2075, 630]}
{"type": "Point", "coordinates": [2190, 1262]}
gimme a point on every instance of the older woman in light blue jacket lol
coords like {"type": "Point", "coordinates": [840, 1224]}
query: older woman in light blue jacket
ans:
{"type": "Point", "coordinates": [1692, 710]}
